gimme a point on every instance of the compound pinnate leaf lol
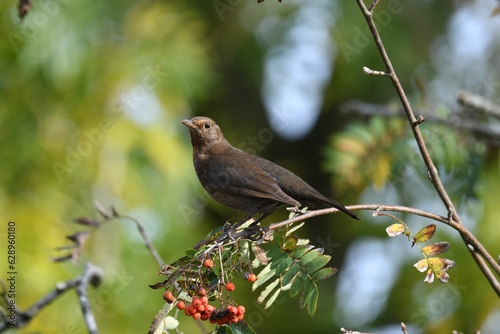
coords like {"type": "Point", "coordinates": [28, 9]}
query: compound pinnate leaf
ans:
{"type": "Point", "coordinates": [424, 234]}
{"type": "Point", "coordinates": [395, 229]}
{"type": "Point", "coordinates": [436, 248]}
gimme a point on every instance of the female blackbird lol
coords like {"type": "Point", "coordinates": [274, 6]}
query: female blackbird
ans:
{"type": "Point", "coordinates": [244, 181]}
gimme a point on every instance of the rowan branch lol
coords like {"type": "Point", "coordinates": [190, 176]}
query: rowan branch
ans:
{"type": "Point", "coordinates": [431, 168]}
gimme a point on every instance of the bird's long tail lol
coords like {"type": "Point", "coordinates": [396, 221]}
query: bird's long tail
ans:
{"type": "Point", "coordinates": [342, 208]}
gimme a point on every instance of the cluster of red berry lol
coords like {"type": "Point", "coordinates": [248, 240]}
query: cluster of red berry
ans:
{"type": "Point", "coordinates": [201, 309]}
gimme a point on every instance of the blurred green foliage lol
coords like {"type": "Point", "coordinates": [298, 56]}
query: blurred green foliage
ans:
{"type": "Point", "coordinates": [91, 95]}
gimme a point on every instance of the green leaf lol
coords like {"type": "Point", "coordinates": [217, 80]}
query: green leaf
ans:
{"type": "Point", "coordinates": [309, 256]}
{"type": "Point", "coordinates": [290, 274]}
{"type": "Point", "coordinates": [191, 252]}
{"type": "Point", "coordinates": [300, 251]}
{"type": "Point", "coordinates": [281, 265]}
{"type": "Point", "coordinates": [317, 263]}
{"type": "Point", "coordinates": [275, 252]}
{"type": "Point", "coordinates": [312, 302]}
{"type": "Point", "coordinates": [263, 295]}
{"type": "Point", "coordinates": [323, 274]}
{"type": "Point", "coordinates": [310, 294]}
{"type": "Point", "coordinates": [271, 299]}
{"type": "Point", "coordinates": [240, 327]}
{"type": "Point", "coordinates": [264, 275]}
{"type": "Point", "coordinates": [303, 242]}
{"type": "Point", "coordinates": [293, 229]}
{"type": "Point", "coordinates": [297, 284]}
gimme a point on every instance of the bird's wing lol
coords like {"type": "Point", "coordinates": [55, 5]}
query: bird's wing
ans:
{"type": "Point", "coordinates": [242, 174]}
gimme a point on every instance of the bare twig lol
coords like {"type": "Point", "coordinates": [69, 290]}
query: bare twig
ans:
{"type": "Point", "coordinates": [147, 241]}
{"type": "Point", "coordinates": [480, 129]}
{"type": "Point", "coordinates": [92, 275]}
{"type": "Point", "coordinates": [478, 103]}
{"type": "Point", "coordinates": [432, 170]}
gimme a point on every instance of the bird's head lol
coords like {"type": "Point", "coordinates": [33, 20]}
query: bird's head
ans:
{"type": "Point", "coordinates": [204, 132]}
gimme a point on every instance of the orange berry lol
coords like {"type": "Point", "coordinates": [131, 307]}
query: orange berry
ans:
{"type": "Point", "coordinates": [197, 315]}
{"type": "Point", "coordinates": [252, 278]}
{"type": "Point", "coordinates": [190, 310]}
{"type": "Point", "coordinates": [209, 309]}
{"type": "Point", "coordinates": [230, 286]}
{"type": "Point", "coordinates": [241, 309]}
{"type": "Point", "coordinates": [169, 296]}
{"type": "Point", "coordinates": [196, 302]}
{"type": "Point", "coordinates": [205, 316]}
{"type": "Point", "coordinates": [181, 305]}
{"type": "Point", "coordinates": [208, 263]}
{"type": "Point", "coordinates": [200, 308]}
{"type": "Point", "coordinates": [204, 300]}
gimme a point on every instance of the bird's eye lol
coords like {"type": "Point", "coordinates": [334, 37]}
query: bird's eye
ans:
{"type": "Point", "coordinates": [207, 125]}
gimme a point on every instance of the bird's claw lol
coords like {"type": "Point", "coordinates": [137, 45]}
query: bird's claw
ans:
{"type": "Point", "coordinates": [297, 210]}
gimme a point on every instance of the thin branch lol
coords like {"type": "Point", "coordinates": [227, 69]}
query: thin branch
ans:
{"type": "Point", "coordinates": [481, 130]}
{"type": "Point", "coordinates": [92, 275]}
{"type": "Point", "coordinates": [432, 170]}
{"type": "Point", "coordinates": [147, 241]}
{"type": "Point", "coordinates": [479, 103]}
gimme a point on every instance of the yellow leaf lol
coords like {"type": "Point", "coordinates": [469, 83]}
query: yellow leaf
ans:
{"type": "Point", "coordinates": [421, 265]}
{"type": "Point", "coordinates": [429, 278]}
{"type": "Point", "coordinates": [440, 264]}
{"type": "Point", "coordinates": [436, 249]}
{"type": "Point", "coordinates": [424, 234]}
{"type": "Point", "coordinates": [395, 229]}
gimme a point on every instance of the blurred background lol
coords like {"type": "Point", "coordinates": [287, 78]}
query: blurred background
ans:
{"type": "Point", "coordinates": [91, 99]}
